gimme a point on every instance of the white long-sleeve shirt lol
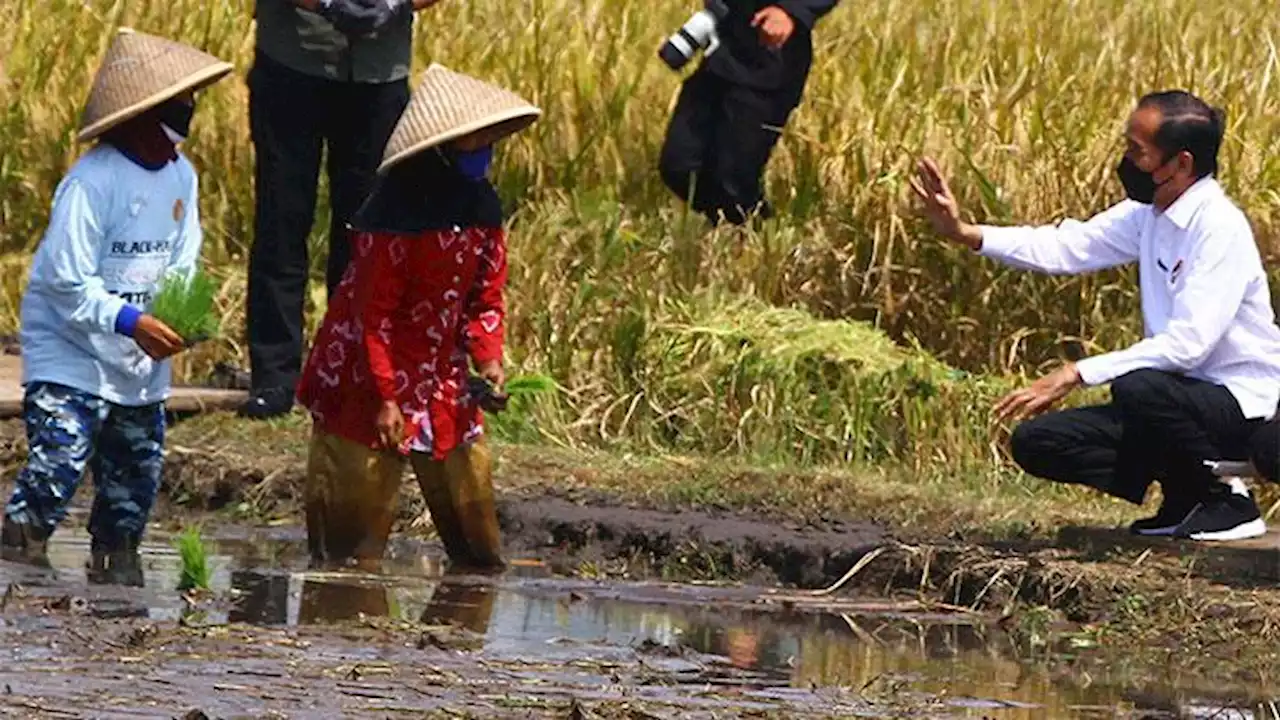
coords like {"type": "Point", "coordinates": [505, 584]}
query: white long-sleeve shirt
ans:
{"type": "Point", "coordinates": [1206, 304]}
{"type": "Point", "coordinates": [116, 229]}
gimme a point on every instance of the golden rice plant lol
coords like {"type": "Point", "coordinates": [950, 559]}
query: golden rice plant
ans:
{"type": "Point", "coordinates": [1022, 103]}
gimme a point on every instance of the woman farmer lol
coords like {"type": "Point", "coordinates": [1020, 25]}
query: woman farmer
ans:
{"type": "Point", "coordinates": [387, 377]}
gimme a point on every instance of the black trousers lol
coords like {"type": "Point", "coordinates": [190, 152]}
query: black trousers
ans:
{"type": "Point", "coordinates": [1158, 426]}
{"type": "Point", "coordinates": [293, 117]}
{"type": "Point", "coordinates": [718, 142]}
{"type": "Point", "coordinates": [1264, 449]}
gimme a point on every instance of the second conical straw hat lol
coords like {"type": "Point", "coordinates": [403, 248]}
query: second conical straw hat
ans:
{"type": "Point", "coordinates": [447, 105]}
{"type": "Point", "coordinates": [139, 72]}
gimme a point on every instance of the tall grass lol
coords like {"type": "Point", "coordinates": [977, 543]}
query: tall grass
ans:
{"type": "Point", "coordinates": [659, 331]}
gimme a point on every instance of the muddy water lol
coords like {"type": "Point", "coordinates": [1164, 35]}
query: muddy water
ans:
{"type": "Point", "coordinates": [277, 638]}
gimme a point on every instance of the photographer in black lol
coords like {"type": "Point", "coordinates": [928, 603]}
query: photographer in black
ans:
{"type": "Point", "coordinates": [732, 109]}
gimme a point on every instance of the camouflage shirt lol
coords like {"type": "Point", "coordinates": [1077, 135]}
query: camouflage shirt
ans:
{"type": "Point", "coordinates": [303, 41]}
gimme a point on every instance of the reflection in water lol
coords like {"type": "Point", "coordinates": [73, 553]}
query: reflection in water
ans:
{"type": "Point", "coordinates": [458, 603]}
{"type": "Point", "coordinates": [278, 599]}
{"type": "Point", "coordinates": [323, 601]}
{"type": "Point", "coordinates": [972, 666]}
{"type": "Point", "coordinates": [263, 598]}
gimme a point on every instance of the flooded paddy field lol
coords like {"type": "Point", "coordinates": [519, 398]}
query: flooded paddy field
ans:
{"type": "Point", "coordinates": [273, 639]}
{"type": "Point", "coordinates": [630, 604]}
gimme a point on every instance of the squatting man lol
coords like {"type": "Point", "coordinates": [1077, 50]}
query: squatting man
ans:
{"type": "Point", "coordinates": [1205, 377]}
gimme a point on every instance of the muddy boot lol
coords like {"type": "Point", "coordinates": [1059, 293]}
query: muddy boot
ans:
{"type": "Point", "coordinates": [126, 568]}
{"type": "Point", "coordinates": [435, 490]}
{"type": "Point", "coordinates": [24, 543]}
{"type": "Point", "coordinates": [468, 470]}
{"type": "Point", "coordinates": [95, 570]}
{"type": "Point", "coordinates": [459, 493]}
{"type": "Point", "coordinates": [350, 499]}
{"type": "Point", "coordinates": [121, 567]}
{"type": "Point", "coordinates": [114, 566]}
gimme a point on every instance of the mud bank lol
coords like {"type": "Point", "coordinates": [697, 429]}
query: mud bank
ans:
{"type": "Point", "coordinates": [568, 528]}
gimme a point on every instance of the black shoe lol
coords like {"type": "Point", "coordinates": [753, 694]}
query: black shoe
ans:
{"type": "Point", "coordinates": [1228, 514]}
{"type": "Point", "coordinates": [24, 543]}
{"type": "Point", "coordinates": [266, 404]}
{"type": "Point", "coordinates": [1173, 511]}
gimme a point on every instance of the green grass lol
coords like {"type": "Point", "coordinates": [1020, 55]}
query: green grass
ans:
{"type": "Point", "coordinates": [186, 304]}
{"type": "Point", "coordinates": [195, 574]}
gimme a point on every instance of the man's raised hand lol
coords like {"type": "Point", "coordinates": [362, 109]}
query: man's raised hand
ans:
{"type": "Point", "coordinates": [940, 206]}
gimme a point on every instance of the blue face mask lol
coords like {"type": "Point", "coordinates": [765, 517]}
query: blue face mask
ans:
{"type": "Point", "coordinates": [474, 164]}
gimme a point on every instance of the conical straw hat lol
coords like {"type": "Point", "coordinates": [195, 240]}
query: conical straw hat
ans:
{"type": "Point", "coordinates": [142, 71]}
{"type": "Point", "coordinates": [447, 105]}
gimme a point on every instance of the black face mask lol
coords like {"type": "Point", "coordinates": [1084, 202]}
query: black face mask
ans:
{"type": "Point", "coordinates": [1139, 185]}
{"type": "Point", "coordinates": [177, 116]}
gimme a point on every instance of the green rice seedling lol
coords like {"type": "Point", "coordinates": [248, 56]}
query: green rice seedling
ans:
{"type": "Point", "coordinates": [186, 305]}
{"type": "Point", "coordinates": [516, 423]}
{"type": "Point", "coordinates": [521, 385]}
{"type": "Point", "coordinates": [196, 574]}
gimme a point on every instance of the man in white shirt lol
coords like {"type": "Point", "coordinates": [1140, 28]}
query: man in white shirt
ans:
{"type": "Point", "coordinates": [1207, 373]}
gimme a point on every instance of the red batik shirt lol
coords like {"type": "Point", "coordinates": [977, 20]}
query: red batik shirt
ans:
{"type": "Point", "coordinates": [401, 324]}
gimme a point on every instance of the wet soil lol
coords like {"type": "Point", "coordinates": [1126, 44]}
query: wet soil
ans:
{"type": "Point", "coordinates": [1098, 618]}
{"type": "Point", "coordinates": [714, 545]}
{"type": "Point", "coordinates": [1084, 575]}
{"type": "Point", "coordinates": [271, 639]}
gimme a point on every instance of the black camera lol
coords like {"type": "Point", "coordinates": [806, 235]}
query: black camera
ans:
{"type": "Point", "coordinates": [697, 33]}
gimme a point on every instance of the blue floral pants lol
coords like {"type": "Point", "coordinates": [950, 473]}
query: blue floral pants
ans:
{"type": "Point", "coordinates": [69, 431]}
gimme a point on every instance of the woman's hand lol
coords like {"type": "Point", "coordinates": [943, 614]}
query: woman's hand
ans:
{"type": "Point", "coordinates": [390, 425]}
{"type": "Point", "coordinates": [493, 372]}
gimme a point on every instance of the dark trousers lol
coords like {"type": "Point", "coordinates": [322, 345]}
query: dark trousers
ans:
{"type": "Point", "coordinates": [293, 117]}
{"type": "Point", "coordinates": [718, 142]}
{"type": "Point", "coordinates": [1264, 449]}
{"type": "Point", "coordinates": [1157, 426]}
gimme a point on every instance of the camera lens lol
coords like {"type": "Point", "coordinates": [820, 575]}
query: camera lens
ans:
{"type": "Point", "coordinates": [672, 56]}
